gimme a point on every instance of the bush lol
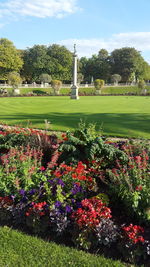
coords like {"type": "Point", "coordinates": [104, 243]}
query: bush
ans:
{"type": "Point", "coordinates": [141, 84]}
{"type": "Point", "coordinates": [56, 85]}
{"type": "Point", "coordinates": [14, 79]}
{"type": "Point", "coordinates": [98, 85]}
{"type": "Point", "coordinates": [45, 78]}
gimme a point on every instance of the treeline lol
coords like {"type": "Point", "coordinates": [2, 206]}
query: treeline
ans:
{"type": "Point", "coordinates": [43, 63]}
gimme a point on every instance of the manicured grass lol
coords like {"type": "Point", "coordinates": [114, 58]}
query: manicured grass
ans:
{"type": "Point", "coordinates": [114, 90]}
{"type": "Point", "coordinates": [20, 250]}
{"type": "Point", "coordinates": [117, 115]}
{"type": "Point", "coordinates": [123, 90]}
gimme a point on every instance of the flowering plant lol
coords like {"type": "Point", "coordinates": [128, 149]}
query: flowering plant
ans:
{"type": "Point", "coordinates": [37, 217]}
{"type": "Point", "coordinates": [131, 183]}
{"type": "Point", "coordinates": [93, 225]}
{"type": "Point", "coordinates": [19, 169]}
{"type": "Point", "coordinates": [133, 245]}
{"type": "Point", "coordinates": [6, 204]}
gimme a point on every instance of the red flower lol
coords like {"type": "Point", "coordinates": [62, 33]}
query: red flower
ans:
{"type": "Point", "coordinates": [91, 213]}
{"type": "Point", "coordinates": [42, 168]}
{"type": "Point", "coordinates": [133, 233]}
{"type": "Point", "coordinates": [139, 188]}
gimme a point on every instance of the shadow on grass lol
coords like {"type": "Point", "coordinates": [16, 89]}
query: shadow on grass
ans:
{"type": "Point", "coordinates": [115, 124]}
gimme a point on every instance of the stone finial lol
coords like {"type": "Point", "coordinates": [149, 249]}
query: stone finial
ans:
{"type": "Point", "coordinates": [75, 51]}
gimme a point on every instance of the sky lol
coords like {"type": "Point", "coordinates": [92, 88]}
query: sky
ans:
{"type": "Point", "coordinates": [91, 24]}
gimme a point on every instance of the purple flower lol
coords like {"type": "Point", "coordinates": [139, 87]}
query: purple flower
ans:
{"type": "Point", "coordinates": [68, 208]}
{"type": "Point", "coordinates": [79, 205]}
{"type": "Point", "coordinates": [60, 182]}
{"type": "Point", "coordinates": [76, 189]}
{"type": "Point", "coordinates": [51, 181]}
{"type": "Point", "coordinates": [57, 204]}
{"type": "Point", "coordinates": [24, 199]}
{"type": "Point", "coordinates": [73, 201]}
{"type": "Point", "coordinates": [32, 191]}
{"type": "Point", "coordinates": [22, 192]}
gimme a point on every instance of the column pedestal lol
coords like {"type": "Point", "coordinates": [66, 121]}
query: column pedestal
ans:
{"type": "Point", "coordinates": [74, 92]}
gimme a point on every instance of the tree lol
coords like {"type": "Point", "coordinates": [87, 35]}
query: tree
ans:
{"type": "Point", "coordinates": [54, 60]}
{"type": "Point", "coordinates": [56, 85]}
{"type": "Point", "coordinates": [14, 79]}
{"type": "Point", "coordinates": [10, 59]}
{"type": "Point", "coordinates": [115, 78]}
{"type": "Point", "coordinates": [145, 75]}
{"type": "Point", "coordinates": [80, 77]}
{"type": "Point", "coordinates": [82, 67]}
{"type": "Point", "coordinates": [126, 61]}
{"type": "Point", "coordinates": [60, 62]}
{"type": "Point", "coordinates": [36, 62]}
{"type": "Point", "coordinates": [96, 66]}
{"type": "Point", "coordinates": [45, 78]}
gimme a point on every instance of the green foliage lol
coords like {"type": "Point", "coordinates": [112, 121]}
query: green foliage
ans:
{"type": "Point", "coordinates": [126, 61]}
{"type": "Point", "coordinates": [14, 79]}
{"type": "Point", "coordinates": [56, 85]}
{"type": "Point", "coordinates": [96, 66]}
{"type": "Point", "coordinates": [36, 62]}
{"type": "Point", "coordinates": [10, 59]}
{"type": "Point", "coordinates": [19, 169]}
{"type": "Point", "coordinates": [141, 84]}
{"type": "Point", "coordinates": [122, 90]}
{"type": "Point", "coordinates": [131, 183]}
{"type": "Point", "coordinates": [45, 78]}
{"type": "Point", "coordinates": [84, 145]}
{"type": "Point", "coordinates": [99, 84]}
{"type": "Point", "coordinates": [54, 60]}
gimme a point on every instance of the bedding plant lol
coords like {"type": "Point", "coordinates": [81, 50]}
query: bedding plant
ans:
{"type": "Point", "coordinates": [80, 189]}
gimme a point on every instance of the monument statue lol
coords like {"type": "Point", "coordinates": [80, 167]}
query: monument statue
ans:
{"type": "Point", "coordinates": [74, 87]}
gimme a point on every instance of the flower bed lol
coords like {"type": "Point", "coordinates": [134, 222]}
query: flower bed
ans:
{"type": "Point", "coordinates": [89, 192]}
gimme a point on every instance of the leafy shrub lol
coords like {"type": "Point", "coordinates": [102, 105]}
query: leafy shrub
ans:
{"type": "Point", "coordinates": [14, 79]}
{"type": "Point", "coordinates": [99, 84]}
{"type": "Point", "coordinates": [141, 84]}
{"type": "Point", "coordinates": [45, 78]}
{"type": "Point", "coordinates": [56, 85]}
{"type": "Point", "coordinates": [83, 145]}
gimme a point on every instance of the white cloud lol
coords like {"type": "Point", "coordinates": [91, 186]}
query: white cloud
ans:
{"type": "Point", "coordinates": [37, 8]}
{"type": "Point", "coordinates": [88, 47]}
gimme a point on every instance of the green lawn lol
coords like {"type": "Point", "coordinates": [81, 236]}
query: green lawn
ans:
{"type": "Point", "coordinates": [117, 115]}
{"type": "Point", "coordinates": [20, 250]}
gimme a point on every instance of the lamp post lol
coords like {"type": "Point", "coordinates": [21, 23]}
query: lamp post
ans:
{"type": "Point", "coordinates": [74, 87]}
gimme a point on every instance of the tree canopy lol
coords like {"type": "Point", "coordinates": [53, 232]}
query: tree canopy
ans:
{"type": "Point", "coordinates": [127, 62]}
{"type": "Point", "coordinates": [10, 59]}
{"type": "Point", "coordinates": [54, 60]}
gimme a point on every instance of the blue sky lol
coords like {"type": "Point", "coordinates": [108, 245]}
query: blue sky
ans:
{"type": "Point", "coordinates": [91, 24]}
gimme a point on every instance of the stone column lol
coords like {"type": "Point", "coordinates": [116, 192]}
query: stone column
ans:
{"type": "Point", "coordinates": [74, 87]}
